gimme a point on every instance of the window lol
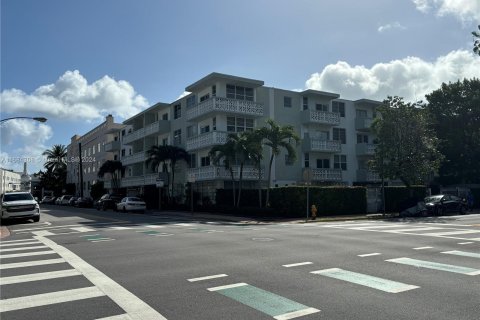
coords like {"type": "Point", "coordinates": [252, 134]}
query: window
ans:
{"type": "Point", "coordinates": [93, 168]}
{"type": "Point", "coordinates": [307, 160]}
{"type": "Point", "coordinates": [340, 162]}
{"type": "Point", "coordinates": [321, 107]}
{"type": "Point", "coordinates": [89, 151]}
{"type": "Point", "coordinates": [191, 101]}
{"type": "Point", "coordinates": [214, 123]}
{"type": "Point", "coordinates": [361, 114]}
{"type": "Point", "coordinates": [289, 160]}
{"type": "Point", "coordinates": [305, 103]}
{"type": "Point", "coordinates": [177, 137]}
{"type": "Point", "coordinates": [123, 152]}
{"type": "Point", "coordinates": [362, 138]}
{"type": "Point", "coordinates": [123, 132]}
{"type": "Point", "coordinates": [339, 134]}
{"type": "Point", "coordinates": [240, 124]}
{"type": "Point", "coordinates": [192, 160]}
{"type": "Point", "coordinates": [204, 129]}
{"type": "Point", "coordinates": [323, 163]}
{"type": "Point", "coordinates": [165, 116]}
{"type": "Point", "coordinates": [214, 90]}
{"type": "Point", "coordinates": [205, 97]}
{"type": "Point", "coordinates": [205, 161]}
{"type": "Point", "coordinates": [190, 131]}
{"type": "Point", "coordinates": [339, 107]}
{"type": "Point", "coordinates": [239, 93]}
{"type": "Point", "coordinates": [177, 111]}
{"type": "Point", "coordinates": [287, 102]}
{"type": "Point", "coordinates": [235, 124]}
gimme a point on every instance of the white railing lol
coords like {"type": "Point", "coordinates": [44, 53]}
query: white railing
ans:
{"type": "Point", "coordinates": [161, 126]}
{"type": "Point", "coordinates": [367, 175]}
{"type": "Point", "coordinates": [363, 123]}
{"type": "Point", "coordinates": [367, 149]}
{"type": "Point", "coordinates": [219, 104]}
{"type": "Point", "coordinates": [220, 173]}
{"type": "Point", "coordinates": [134, 158]}
{"type": "Point", "coordinates": [112, 146]}
{"type": "Point", "coordinates": [325, 145]}
{"type": "Point", "coordinates": [326, 174]}
{"type": "Point", "coordinates": [206, 140]}
{"type": "Point", "coordinates": [323, 117]}
{"type": "Point", "coordinates": [135, 135]}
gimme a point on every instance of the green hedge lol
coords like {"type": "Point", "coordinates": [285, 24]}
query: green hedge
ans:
{"type": "Point", "coordinates": [400, 198]}
{"type": "Point", "coordinates": [248, 197]}
{"type": "Point", "coordinates": [476, 197]}
{"type": "Point", "coordinates": [292, 200]}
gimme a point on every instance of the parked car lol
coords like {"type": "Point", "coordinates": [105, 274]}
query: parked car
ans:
{"type": "Point", "coordinates": [84, 202]}
{"type": "Point", "coordinates": [48, 200]}
{"type": "Point", "coordinates": [443, 203]}
{"type": "Point", "coordinates": [64, 200]}
{"type": "Point", "coordinates": [58, 201]}
{"type": "Point", "coordinates": [19, 205]}
{"type": "Point", "coordinates": [131, 204]}
{"type": "Point", "coordinates": [108, 201]}
{"type": "Point", "coordinates": [72, 201]}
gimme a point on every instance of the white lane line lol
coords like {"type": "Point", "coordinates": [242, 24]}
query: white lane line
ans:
{"type": "Point", "coordinates": [468, 242]}
{"type": "Point", "coordinates": [208, 277]}
{"type": "Point", "coordinates": [17, 244]}
{"type": "Point", "coordinates": [474, 239]}
{"type": "Point", "coordinates": [452, 233]}
{"type": "Point", "coordinates": [83, 229]}
{"type": "Point", "coordinates": [12, 241]}
{"type": "Point", "coordinates": [120, 228]}
{"type": "Point", "coordinates": [228, 286]}
{"type": "Point", "coordinates": [163, 234]}
{"type": "Point", "coordinates": [23, 248]}
{"type": "Point", "coordinates": [369, 254]}
{"type": "Point", "coordinates": [415, 229]}
{"type": "Point", "coordinates": [296, 264]}
{"type": "Point", "coordinates": [118, 317]}
{"type": "Point", "coordinates": [133, 306]}
{"type": "Point", "coordinates": [49, 298]}
{"type": "Point", "coordinates": [422, 248]}
{"type": "Point", "coordinates": [153, 226]}
{"type": "Point", "coordinates": [367, 228]}
{"type": "Point", "coordinates": [30, 263]}
{"type": "Point", "coordinates": [463, 253]}
{"type": "Point", "coordinates": [26, 254]}
{"type": "Point", "coordinates": [448, 224]}
{"type": "Point", "coordinates": [349, 225]}
{"type": "Point", "coordinates": [296, 314]}
{"type": "Point", "coordinates": [39, 276]}
{"type": "Point", "coordinates": [101, 240]}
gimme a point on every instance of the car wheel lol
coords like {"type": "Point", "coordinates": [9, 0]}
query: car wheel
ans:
{"type": "Point", "coordinates": [124, 209]}
{"type": "Point", "coordinates": [444, 210]}
{"type": "Point", "coordinates": [36, 219]}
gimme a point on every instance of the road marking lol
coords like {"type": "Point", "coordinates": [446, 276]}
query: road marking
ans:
{"type": "Point", "coordinates": [26, 254]}
{"type": "Point", "coordinates": [468, 242]}
{"type": "Point", "coordinates": [369, 254]}
{"type": "Point", "coordinates": [367, 228]}
{"type": "Point", "coordinates": [17, 244]}
{"type": "Point", "coordinates": [278, 307]}
{"type": "Point", "coordinates": [49, 298]}
{"type": "Point", "coordinates": [208, 277]}
{"type": "Point", "coordinates": [296, 264]}
{"type": "Point", "coordinates": [347, 225]}
{"type": "Point", "coordinates": [422, 248]}
{"type": "Point", "coordinates": [415, 229]}
{"type": "Point", "coordinates": [102, 240]}
{"type": "Point", "coordinates": [153, 226]}
{"type": "Point", "coordinates": [133, 306]}
{"type": "Point", "coordinates": [120, 228]}
{"type": "Point", "coordinates": [453, 232]}
{"type": "Point", "coordinates": [118, 317]}
{"type": "Point", "coordinates": [463, 253]}
{"type": "Point", "coordinates": [12, 241]}
{"type": "Point", "coordinates": [366, 280]}
{"type": "Point", "coordinates": [30, 263]}
{"type": "Point", "coordinates": [83, 229]}
{"type": "Point", "coordinates": [449, 224]}
{"type": "Point", "coordinates": [436, 266]}
{"type": "Point", "coordinates": [22, 248]}
{"type": "Point", "coordinates": [39, 276]}
{"type": "Point", "coordinates": [474, 239]}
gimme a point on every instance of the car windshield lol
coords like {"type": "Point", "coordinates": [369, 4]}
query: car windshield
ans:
{"type": "Point", "coordinates": [134, 199]}
{"type": "Point", "coordinates": [17, 197]}
{"type": "Point", "coordinates": [433, 199]}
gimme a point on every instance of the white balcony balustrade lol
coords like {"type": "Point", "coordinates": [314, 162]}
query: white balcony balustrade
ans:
{"type": "Point", "coordinates": [134, 158]}
{"type": "Point", "coordinates": [319, 145]}
{"type": "Point", "coordinates": [112, 146]}
{"type": "Point", "coordinates": [363, 124]}
{"type": "Point", "coordinates": [226, 105]}
{"type": "Point", "coordinates": [326, 175]}
{"type": "Point", "coordinates": [220, 173]}
{"type": "Point", "coordinates": [321, 117]}
{"type": "Point", "coordinates": [365, 149]}
{"type": "Point", "coordinates": [206, 140]}
{"type": "Point", "coordinates": [133, 136]}
{"type": "Point", "coordinates": [366, 175]}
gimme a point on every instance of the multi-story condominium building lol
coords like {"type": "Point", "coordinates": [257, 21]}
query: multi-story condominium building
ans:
{"type": "Point", "coordinates": [97, 146]}
{"type": "Point", "coordinates": [336, 138]}
{"type": "Point", "coordinates": [10, 180]}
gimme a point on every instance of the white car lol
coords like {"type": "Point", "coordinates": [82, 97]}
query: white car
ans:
{"type": "Point", "coordinates": [65, 200]}
{"type": "Point", "coordinates": [19, 205]}
{"type": "Point", "coordinates": [131, 204]}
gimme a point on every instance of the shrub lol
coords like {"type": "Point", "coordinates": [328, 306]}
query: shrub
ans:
{"type": "Point", "coordinates": [401, 198]}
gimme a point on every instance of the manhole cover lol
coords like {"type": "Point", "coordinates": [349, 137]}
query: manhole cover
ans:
{"type": "Point", "coordinates": [262, 239]}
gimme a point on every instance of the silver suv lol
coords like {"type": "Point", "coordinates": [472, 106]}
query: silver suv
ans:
{"type": "Point", "coordinates": [19, 205]}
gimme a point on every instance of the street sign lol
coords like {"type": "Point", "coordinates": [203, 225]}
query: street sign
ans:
{"type": "Point", "coordinates": [160, 182]}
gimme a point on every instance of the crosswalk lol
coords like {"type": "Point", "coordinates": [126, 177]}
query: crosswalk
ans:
{"type": "Point", "coordinates": [71, 265]}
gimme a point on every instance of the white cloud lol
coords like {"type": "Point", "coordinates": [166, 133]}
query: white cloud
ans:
{"type": "Point", "coordinates": [410, 77]}
{"type": "Point", "coordinates": [185, 93]}
{"type": "Point", "coordinates": [71, 97]}
{"type": "Point", "coordinates": [464, 10]}
{"type": "Point", "coordinates": [391, 26]}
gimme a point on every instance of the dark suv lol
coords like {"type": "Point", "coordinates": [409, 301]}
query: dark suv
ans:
{"type": "Point", "coordinates": [108, 201]}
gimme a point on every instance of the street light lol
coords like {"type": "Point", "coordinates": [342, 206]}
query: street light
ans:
{"type": "Point", "coordinates": [39, 119]}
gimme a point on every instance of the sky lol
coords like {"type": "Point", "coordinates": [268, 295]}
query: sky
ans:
{"type": "Point", "coordinates": [74, 62]}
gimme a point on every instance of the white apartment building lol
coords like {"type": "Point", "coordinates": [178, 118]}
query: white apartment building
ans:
{"type": "Point", "coordinates": [97, 146]}
{"type": "Point", "coordinates": [336, 138]}
{"type": "Point", "coordinates": [10, 181]}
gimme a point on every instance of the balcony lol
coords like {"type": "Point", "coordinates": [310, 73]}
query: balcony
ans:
{"type": "Point", "coordinates": [318, 145]}
{"type": "Point", "coordinates": [134, 181]}
{"type": "Point", "coordinates": [134, 158]}
{"type": "Point", "coordinates": [206, 140]}
{"type": "Point", "coordinates": [159, 127]}
{"type": "Point", "coordinates": [326, 175]}
{"type": "Point", "coordinates": [363, 124]}
{"type": "Point", "coordinates": [365, 149]}
{"type": "Point", "coordinates": [365, 175]}
{"type": "Point", "coordinates": [112, 146]}
{"type": "Point", "coordinates": [133, 136]}
{"type": "Point", "coordinates": [220, 173]}
{"type": "Point", "coordinates": [226, 105]}
{"type": "Point", "coordinates": [321, 117]}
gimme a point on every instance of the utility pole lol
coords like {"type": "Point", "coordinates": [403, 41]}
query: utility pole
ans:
{"type": "Point", "coordinates": [81, 168]}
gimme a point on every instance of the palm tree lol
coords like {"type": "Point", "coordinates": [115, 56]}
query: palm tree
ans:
{"type": "Point", "coordinates": [165, 155]}
{"type": "Point", "coordinates": [115, 168]}
{"type": "Point", "coordinates": [55, 158]}
{"type": "Point", "coordinates": [278, 137]}
{"type": "Point", "coordinates": [225, 155]}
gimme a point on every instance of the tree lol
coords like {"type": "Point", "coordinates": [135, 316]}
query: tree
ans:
{"type": "Point", "coordinates": [168, 156]}
{"type": "Point", "coordinates": [53, 180]}
{"type": "Point", "coordinates": [476, 43]}
{"type": "Point", "coordinates": [115, 169]}
{"type": "Point", "coordinates": [455, 113]}
{"type": "Point", "coordinates": [224, 155]}
{"type": "Point", "coordinates": [277, 138]}
{"type": "Point", "coordinates": [406, 147]}
{"type": "Point", "coordinates": [97, 190]}
{"type": "Point", "coordinates": [55, 158]}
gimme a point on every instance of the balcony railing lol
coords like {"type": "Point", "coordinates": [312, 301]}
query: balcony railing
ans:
{"type": "Point", "coordinates": [159, 127]}
{"type": "Point", "coordinates": [134, 158]}
{"type": "Point", "coordinates": [363, 124]}
{"type": "Point", "coordinates": [135, 135]}
{"type": "Point", "coordinates": [227, 105]}
{"type": "Point", "coordinates": [365, 149]}
{"type": "Point", "coordinates": [326, 174]}
{"type": "Point", "coordinates": [112, 146]}
{"type": "Point", "coordinates": [206, 140]}
{"type": "Point", "coordinates": [321, 117]}
{"type": "Point", "coordinates": [134, 181]}
{"type": "Point", "coordinates": [367, 175]}
{"type": "Point", "coordinates": [319, 145]}
{"type": "Point", "coordinates": [220, 173]}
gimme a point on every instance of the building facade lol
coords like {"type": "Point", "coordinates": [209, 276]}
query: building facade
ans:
{"type": "Point", "coordinates": [336, 140]}
{"type": "Point", "coordinates": [10, 181]}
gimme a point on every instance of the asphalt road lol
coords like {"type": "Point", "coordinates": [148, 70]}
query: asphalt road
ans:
{"type": "Point", "coordinates": [88, 264]}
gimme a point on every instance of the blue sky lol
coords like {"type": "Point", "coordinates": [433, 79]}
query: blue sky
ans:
{"type": "Point", "coordinates": [73, 62]}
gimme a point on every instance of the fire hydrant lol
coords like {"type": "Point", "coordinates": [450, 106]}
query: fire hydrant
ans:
{"type": "Point", "coordinates": [313, 210]}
